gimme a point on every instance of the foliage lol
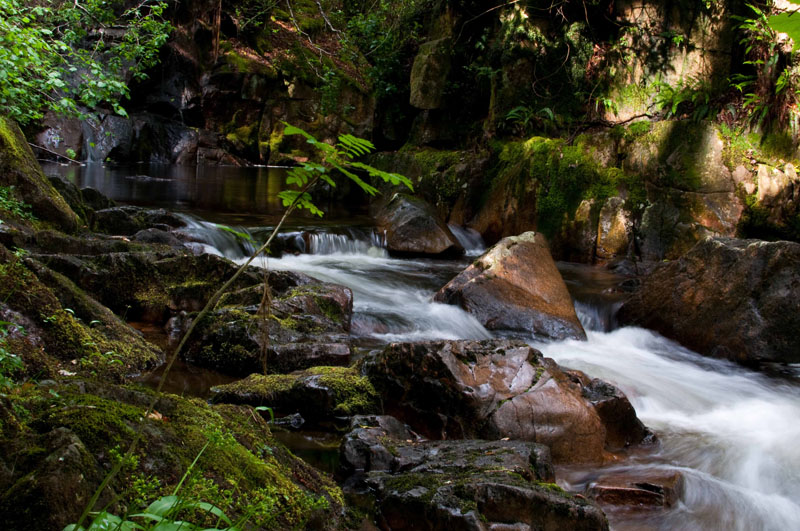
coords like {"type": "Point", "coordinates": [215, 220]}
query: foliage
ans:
{"type": "Point", "coordinates": [160, 515]}
{"type": "Point", "coordinates": [10, 363]}
{"type": "Point", "coordinates": [59, 55]}
{"type": "Point", "coordinates": [789, 23]}
{"type": "Point", "coordinates": [523, 119]}
{"type": "Point", "coordinates": [692, 96]}
{"type": "Point", "coordinates": [332, 159]}
{"type": "Point", "coordinates": [770, 89]}
{"type": "Point", "coordinates": [12, 205]}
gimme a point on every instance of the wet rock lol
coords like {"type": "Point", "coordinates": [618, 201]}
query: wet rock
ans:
{"type": "Point", "coordinates": [637, 489]}
{"type": "Point", "coordinates": [500, 388]}
{"type": "Point", "coordinates": [413, 227]}
{"type": "Point", "coordinates": [159, 237]}
{"type": "Point", "coordinates": [19, 168]}
{"type": "Point", "coordinates": [72, 195]}
{"type": "Point", "coordinates": [515, 286]}
{"type": "Point", "coordinates": [370, 443]}
{"type": "Point", "coordinates": [95, 200]}
{"type": "Point", "coordinates": [128, 220]}
{"type": "Point", "coordinates": [729, 298]}
{"type": "Point", "coordinates": [157, 284]}
{"type": "Point", "coordinates": [469, 485]}
{"type": "Point", "coordinates": [307, 325]}
{"type": "Point", "coordinates": [318, 393]}
{"type": "Point", "coordinates": [580, 235]}
{"type": "Point", "coordinates": [615, 410]}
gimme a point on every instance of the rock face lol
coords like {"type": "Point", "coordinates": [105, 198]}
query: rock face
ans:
{"type": "Point", "coordinates": [478, 485]}
{"type": "Point", "coordinates": [18, 168]}
{"type": "Point", "coordinates": [515, 286]}
{"type": "Point", "coordinates": [614, 230]}
{"type": "Point", "coordinates": [429, 74]}
{"type": "Point", "coordinates": [499, 388]}
{"type": "Point", "coordinates": [729, 298]}
{"type": "Point", "coordinates": [413, 227]}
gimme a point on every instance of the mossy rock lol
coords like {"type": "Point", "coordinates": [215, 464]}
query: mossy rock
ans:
{"type": "Point", "coordinates": [19, 168]}
{"type": "Point", "coordinates": [317, 393]}
{"type": "Point", "coordinates": [307, 324]}
{"type": "Point", "coordinates": [68, 435]}
{"type": "Point", "coordinates": [66, 329]}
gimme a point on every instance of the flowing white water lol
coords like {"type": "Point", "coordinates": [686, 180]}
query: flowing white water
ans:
{"type": "Point", "coordinates": [733, 434]}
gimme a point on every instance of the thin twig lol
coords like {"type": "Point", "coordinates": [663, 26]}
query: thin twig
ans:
{"type": "Point", "coordinates": [54, 153]}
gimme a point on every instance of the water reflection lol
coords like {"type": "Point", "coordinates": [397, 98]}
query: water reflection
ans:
{"type": "Point", "coordinates": [217, 192]}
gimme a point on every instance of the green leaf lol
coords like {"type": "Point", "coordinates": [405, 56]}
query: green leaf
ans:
{"type": "Point", "coordinates": [240, 235]}
{"type": "Point", "coordinates": [788, 23]}
{"type": "Point", "coordinates": [163, 506]}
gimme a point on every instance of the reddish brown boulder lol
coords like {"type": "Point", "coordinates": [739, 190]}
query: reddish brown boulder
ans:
{"type": "Point", "coordinates": [728, 298]}
{"type": "Point", "coordinates": [499, 388]}
{"type": "Point", "coordinates": [516, 286]}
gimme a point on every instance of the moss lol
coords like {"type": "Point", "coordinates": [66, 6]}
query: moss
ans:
{"type": "Point", "coordinates": [353, 394]}
{"type": "Point", "coordinates": [562, 176]}
{"type": "Point", "coordinates": [347, 392]}
{"type": "Point", "coordinates": [242, 469]}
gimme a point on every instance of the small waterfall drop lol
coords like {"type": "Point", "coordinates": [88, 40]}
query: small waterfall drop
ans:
{"type": "Point", "coordinates": [355, 241]}
{"type": "Point", "coordinates": [214, 239]}
{"type": "Point", "coordinates": [470, 239]}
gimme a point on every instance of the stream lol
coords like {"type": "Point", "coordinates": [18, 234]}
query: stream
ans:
{"type": "Point", "coordinates": [732, 433]}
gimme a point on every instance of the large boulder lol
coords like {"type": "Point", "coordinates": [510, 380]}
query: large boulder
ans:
{"type": "Point", "coordinates": [412, 226]}
{"type": "Point", "coordinates": [501, 388]}
{"type": "Point", "coordinates": [729, 298]}
{"type": "Point", "coordinates": [459, 484]}
{"type": "Point", "coordinates": [516, 286]}
{"type": "Point", "coordinates": [18, 168]}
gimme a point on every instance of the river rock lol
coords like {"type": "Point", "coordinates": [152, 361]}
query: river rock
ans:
{"type": "Point", "coordinates": [412, 226]}
{"type": "Point", "coordinates": [307, 325]}
{"type": "Point", "coordinates": [728, 298]}
{"type": "Point", "coordinates": [501, 388]}
{"type": "Point", "coordinates": [66, 330]}
{"type": "Point", "coordinates": [480, 485]}
{"type": "Point", "coordinates": [318, 393]}
{"type": "Point", "coordinates": [516, 286]}
{"type": "Point", "coordinates": [635, 489]}
{"type": "Point", "coordinates": [128, 220]}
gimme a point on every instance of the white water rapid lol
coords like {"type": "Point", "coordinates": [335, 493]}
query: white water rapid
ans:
{"type": "Point", "coordinates": [732, 433]}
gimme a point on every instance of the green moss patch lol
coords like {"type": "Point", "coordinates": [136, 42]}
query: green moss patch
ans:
{"type": "Point", "coordinates": [318, 392]}
{"type": "Point", "coordinates": [243, 469]}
